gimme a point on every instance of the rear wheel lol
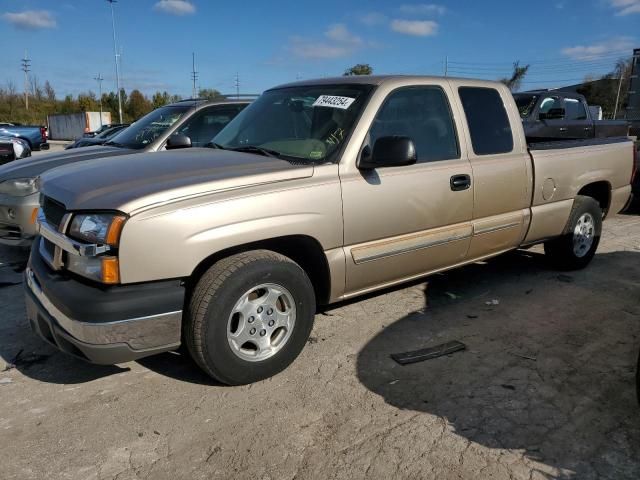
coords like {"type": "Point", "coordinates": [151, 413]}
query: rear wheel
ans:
{"type": "Point", "coordinates": [579, 242]}
{"type": "Point", "coordinates": [249, 316]}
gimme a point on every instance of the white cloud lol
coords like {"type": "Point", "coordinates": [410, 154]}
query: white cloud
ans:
{"type": "Point", "coordinates": [418, 28]}
{"type": "Point", "coordinates": [339, 42]}
{"type": "Point", "coordinates": [339, 33]}
{"type": "Point", "coordinates": [590, 52]}
{"type": "Point", "coordinates": [625, 7]}
{"type": "Point", "coordinates": [423, 9]}
{"type": "Point", "coordinates": [31, 19]}
{"type": "Point", "coordinates": [372, 19]}
{"type": "Point", "coordinates": [175, 7]}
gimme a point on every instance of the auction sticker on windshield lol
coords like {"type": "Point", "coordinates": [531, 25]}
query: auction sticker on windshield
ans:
{"type": "Point", "coordinates": [333, 101]}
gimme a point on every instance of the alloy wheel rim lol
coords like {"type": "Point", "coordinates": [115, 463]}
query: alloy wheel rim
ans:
{"type": "Point", "coordinates": [261, 322]}
{"type": "Point", "coordinates": [583, 235]}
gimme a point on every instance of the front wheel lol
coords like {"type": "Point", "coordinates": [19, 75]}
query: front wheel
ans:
{"type": "Point", "coordinates": [579, 242]}
{"type": "Point", "coordinates": [249, 316]}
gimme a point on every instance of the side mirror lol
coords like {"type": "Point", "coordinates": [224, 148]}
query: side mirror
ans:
{"type": "Point", "coordinates": [395, 151]}
{"type": "Point", "coordinates": [553, 114]}
{"type": "Point", "coordinates": [178, 141]}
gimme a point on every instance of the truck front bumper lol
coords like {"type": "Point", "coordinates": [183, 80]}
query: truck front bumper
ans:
{"type": "Point", "coordinates": [102, 325]}
{"type": "Point", "coordinates": [17, 228]}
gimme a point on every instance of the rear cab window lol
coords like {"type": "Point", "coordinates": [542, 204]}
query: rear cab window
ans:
{"type": "Point", "coordinates": [487, 118]}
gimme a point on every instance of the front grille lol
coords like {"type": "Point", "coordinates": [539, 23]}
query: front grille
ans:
{"type": "Point", "coordinates": [53, 211]}
{"type": "Point", "coordinates": [49, 247]}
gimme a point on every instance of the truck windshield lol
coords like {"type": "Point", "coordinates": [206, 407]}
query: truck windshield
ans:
{"type": "Point", "coordinates": [144, 131]}
{"type": "Point", "coordinates": [525, 104]}
{"type": "Point", "coordinates": [304, 123]}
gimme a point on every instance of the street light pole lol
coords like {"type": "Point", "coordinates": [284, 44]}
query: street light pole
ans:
{"type": "Point", "coordinates": [615, 110]}
{"type": "Point", "coordinates": [115, 51]}
{"type": "Point", "coordinates": [99, 79]}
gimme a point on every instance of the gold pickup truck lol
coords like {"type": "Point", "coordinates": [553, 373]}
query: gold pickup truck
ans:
{"type": "Point", "coordinates": [317, 192]}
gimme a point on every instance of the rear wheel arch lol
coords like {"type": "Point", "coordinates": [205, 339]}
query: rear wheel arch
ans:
{"type": "Point", "coordinates": [304, 250]}
{"type": "Point", "coordinates": [26, 140]}
{"type": "Point", "coordinates": [600, 191]}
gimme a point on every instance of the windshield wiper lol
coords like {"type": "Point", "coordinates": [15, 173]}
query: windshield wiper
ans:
{"type": "Point", "coordinates": [214, 145]}
{"type": "Point", "coordinates": [257, 150]}
{"type": "Point", "coordinates": [111, 143]}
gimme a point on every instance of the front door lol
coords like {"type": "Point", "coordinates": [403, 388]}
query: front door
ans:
{"type": "Point", "coordinates": [402, 222]}
{"type": "Point", "coordinates": [579, 124]}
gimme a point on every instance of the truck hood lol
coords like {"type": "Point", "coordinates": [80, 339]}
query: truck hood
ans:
{"type": "Point", "coordinates": [34, 166]}
{"type": "Point", "coordinates": [130, 183]}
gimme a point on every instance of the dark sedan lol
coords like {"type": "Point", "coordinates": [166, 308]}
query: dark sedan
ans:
{"type": "Point", "coordinates": [99, 139]}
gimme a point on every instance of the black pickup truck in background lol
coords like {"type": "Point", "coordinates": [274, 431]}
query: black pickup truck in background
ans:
{"type": "Point", "coordinates": [556, 115]}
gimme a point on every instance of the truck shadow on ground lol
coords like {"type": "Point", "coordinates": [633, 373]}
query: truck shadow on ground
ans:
{"type": "Point", "coordinates": [548, 371]}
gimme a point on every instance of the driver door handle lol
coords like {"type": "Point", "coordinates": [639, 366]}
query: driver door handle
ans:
{"type": "Point", "coordinates": [460, 182]}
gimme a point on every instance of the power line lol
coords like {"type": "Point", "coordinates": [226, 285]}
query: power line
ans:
{"type": "Point", "coordinates": [237, 85]}
{"type": "Point", "coordinates": [552, 61]}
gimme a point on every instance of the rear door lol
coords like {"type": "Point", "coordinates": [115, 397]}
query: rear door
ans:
{"type": "Point", "coordinates": [501, 166]}
{"type": "Point", "coordinates": [401, 222]}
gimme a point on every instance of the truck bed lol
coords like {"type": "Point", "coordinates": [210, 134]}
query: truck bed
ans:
{"type": "Point", "coordinates": [561, 168]}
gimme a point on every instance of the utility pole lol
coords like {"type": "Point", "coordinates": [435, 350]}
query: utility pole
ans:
{"type": "Point", "coordinates": [237, 85]}
{"type": "Point", "coordinates": [615, 110]}
{"type": "Point", "coordinates": [446, 66]}
{"type": "Point", "coordinates": [115, 51]}
{"type": "Point", "coordinates": [99, 79]}
{"type": "Point", "coordinates": [194, 76]}
{"type": "Point", "coordinates": [26, 68]}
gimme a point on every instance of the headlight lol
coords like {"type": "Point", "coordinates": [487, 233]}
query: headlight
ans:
{"type": "Point", "coordinates": [101, 228]}
{"type": "Point", "coordinates": [19, 187]}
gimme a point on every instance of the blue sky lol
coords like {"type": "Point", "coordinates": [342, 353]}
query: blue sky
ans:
{"type": "Point", "coordinates": [271, 42]}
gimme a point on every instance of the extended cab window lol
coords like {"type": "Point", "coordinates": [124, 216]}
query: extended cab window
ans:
{"type": "Point", "coordinates": [423, 115]}
{"type": "Point", "coordinates": [575, 109]}
{"type": "Point", "coordinates": [488, 122]}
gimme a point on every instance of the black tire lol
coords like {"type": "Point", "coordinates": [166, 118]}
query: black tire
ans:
{"type": "Point", "coordinates": [638, 378]}
{"type": "Point", "coordinates": [560, 251]}
{"type": "Point", "coordinates": [212, 302]}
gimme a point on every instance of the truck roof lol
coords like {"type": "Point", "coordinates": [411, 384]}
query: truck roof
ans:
{"type": "Point", "coordinates": [377, 80]}
{"type": "Point", "coordinates": [203, 101]}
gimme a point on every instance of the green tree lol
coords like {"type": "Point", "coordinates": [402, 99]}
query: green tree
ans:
{"type": "Point", "coordinates": [359, 69]}
{"type": "Point", "coordinates": [517, 76]}
{"type": "Point", "coordinates": [137, 105]}
{"type": "Point", "coordinates": [159, 99]}
{"type": "Point", "coordinates": [209, 93]}
{"type": "Point", "coordinates": [87, 102]}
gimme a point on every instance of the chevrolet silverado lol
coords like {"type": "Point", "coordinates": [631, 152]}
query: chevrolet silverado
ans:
{"type": "Point", "coordinates": [319, 191]}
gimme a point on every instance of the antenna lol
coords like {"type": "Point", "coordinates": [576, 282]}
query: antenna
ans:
{"type": "Point", "coordinates": [116, 57]}
{"type": "Point", "coordinates": [26, 68]}
{"type": "Point", "coordinates": [237, 84]}
{"type": "Point", "coordinates": [194, 76]}
{"type": "Point", "coordinates": [99, 79]}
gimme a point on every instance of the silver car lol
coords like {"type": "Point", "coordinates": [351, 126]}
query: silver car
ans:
{"type": "Point", "coordinates": [178, 125]}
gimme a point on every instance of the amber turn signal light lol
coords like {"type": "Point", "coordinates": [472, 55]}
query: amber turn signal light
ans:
{"type": "Point", "coordinates": [110, 270]}
{"type": "Point", "coordinates": [115, 228]}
